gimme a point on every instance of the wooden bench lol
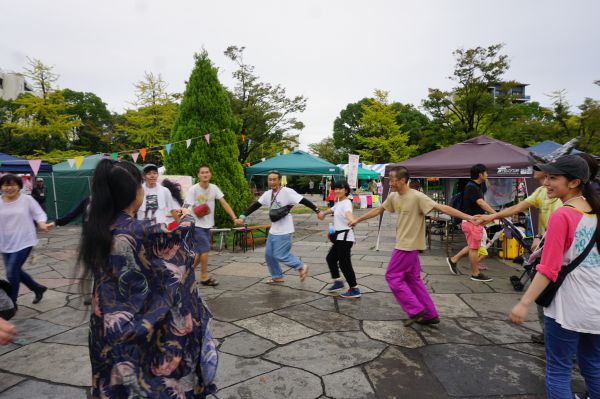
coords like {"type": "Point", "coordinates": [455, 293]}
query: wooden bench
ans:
{"type": "Point", "coordinates": [243, 236]}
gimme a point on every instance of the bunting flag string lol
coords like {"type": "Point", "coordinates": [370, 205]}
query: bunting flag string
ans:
{"type": "Point", "coordinates": [71, 162]}
{"type": "Point", "coordinates": [114, 155]}
{"type": "Point", "coordinates": [79, 161]}
{"type": "Point", "coordinates": [135, 156]}
{"type": "Point", "coordinates": [207, 137]}
{"type": "Point", "coordinates": [143, 153]}
{"type": "Point", "coordinates": [168, 148]}
{"type": "Point", "coordinates": [243, 137]}
{"type": "Point", "coordinates": [162, 152]}
{"type": "Point", "coordinates": [187, 143]}
{"type": "Point", "coordinates": [249, 142]}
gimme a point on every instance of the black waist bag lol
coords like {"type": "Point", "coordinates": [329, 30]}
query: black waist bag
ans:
{"type": "Point", "coordinates": [279, 213]}
{"type": "Point", "coordinates": [333, 237]}
{"type": "Point", "coordinates": [547, 296]}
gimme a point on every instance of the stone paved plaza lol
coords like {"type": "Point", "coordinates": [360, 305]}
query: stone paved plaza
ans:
{"type": "Point", "coordinates": [293, 340]}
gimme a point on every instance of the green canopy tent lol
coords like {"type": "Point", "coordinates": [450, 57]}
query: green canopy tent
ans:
{"type": "Point", "coordinates": [297, 163]}
{"type": "Point", "coordinates": [366, 174]}
{"type": "Point", "coordinates": [71, 184]}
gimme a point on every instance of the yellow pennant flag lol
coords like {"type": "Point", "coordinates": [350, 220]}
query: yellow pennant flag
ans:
{"type": "Point", "coordinates": [162, 152]}
{"type": "Point", "coordinates": [285, 151]}
{"type": "Point", "coordinates": [79, 161]}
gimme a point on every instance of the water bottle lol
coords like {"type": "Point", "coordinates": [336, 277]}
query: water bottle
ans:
{"type": "Point", "coordinates": [331, 228]}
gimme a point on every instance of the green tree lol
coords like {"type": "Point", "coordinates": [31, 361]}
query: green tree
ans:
{"type": "Point", "coordinates": [205, 108]}
{"type": "Point", "coordinates": [150, 124]}
{"type": "Point", "coordinates": [469, 109]}
{"type": "Point", "coordinates": [346, 127]}
{"type": "Point", "coordinates": [42, 76]}
{"type": "Point", "coordinates": [93, 134]}
{"type": "Point", "coordinates": [265, 113]}
{"type": "Point", "coordinates": [383, 140]}
{"type": "Point", "coordinates": [44, 124]}
{"type": "Point", "coordinates": [327, 150]}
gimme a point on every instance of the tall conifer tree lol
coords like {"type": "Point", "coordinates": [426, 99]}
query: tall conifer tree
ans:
{"type": "Point", "coordinates": [205, 109]}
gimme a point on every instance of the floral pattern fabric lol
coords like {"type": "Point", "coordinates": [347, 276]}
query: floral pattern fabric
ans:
{"type": "Point", "coordinates": [149, 333]}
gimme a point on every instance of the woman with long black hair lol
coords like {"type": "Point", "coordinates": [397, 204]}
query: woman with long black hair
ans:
{"type": "Point", "coordinates": [570, 258]}
{"type": "Point", "coordinates": [148, 329]}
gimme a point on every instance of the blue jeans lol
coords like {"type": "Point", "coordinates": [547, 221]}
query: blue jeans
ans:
{"type": "Point", "coordinates": [278, 250]}
{"type": "Point", "coordinates": [561, 344]}
{"type": "Point", "coordinates": [13, 262]}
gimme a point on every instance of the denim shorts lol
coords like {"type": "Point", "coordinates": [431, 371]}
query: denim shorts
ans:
{"type": "Point", "coordinates": [201, 240]}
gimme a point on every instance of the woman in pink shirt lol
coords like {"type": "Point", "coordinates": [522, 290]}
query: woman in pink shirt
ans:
{"type": "Point", "coordinates": [572, 320]}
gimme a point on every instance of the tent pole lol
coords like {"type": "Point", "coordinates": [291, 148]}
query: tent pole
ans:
{"type": "Point", "coordinates": [55, 198]}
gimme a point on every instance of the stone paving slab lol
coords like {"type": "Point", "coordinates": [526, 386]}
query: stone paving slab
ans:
{"type": "Point", "coordinates": [319, 320]}
{"type": "Point", "coordinates": [284, 383]}
{"type": "Point", "coordinates": [348, 384]}
{"type": "Point", "coordinates": [66, 316]}
{"type": "Point", "coordinates": [341, 349]}
{"type": "Point", "coordinates": [276, 328]}
{"type": "Point", "coordinates": [40, 360]}
{"type": "Point", "coordinates": [41, 390]}
{"type": "Point", "coordinates": [371, 306]}
{"type": "Point", "coordinates": [33, 330]}
{"type": "Point", "coordinates": [9, 380]}
{"type": "Point", "coordinates": [245, 344]}
{"type": "Point", "coordinates": [392, 332]}
{"type": "Point", "coordinates": [234, 369]}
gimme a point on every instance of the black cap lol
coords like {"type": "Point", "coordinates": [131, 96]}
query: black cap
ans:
{"type": "Point", "coordinates": [571, 165]}
{"type": "Point", "coordinates": [150, 167]}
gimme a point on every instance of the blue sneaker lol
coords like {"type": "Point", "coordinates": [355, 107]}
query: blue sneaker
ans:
{"type": "Point", "coordinates": [337, 286]}
{"type": "Point", "coordinates": [351, 293]}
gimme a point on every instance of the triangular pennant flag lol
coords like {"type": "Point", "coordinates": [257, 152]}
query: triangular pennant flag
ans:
{"type": "Point", "coordinates": [207, 137]}
{"type": "Point", "coordinates": [143, 153]}
{"type": "Point", "coordinates": [79, 161]}
{"type": "Point", "coordinates": [35, 165]}
{"type": "Point", "coordinates": [243, 138]}
{"type": "Point", "coordinates": [162, 152]}
{"type": "Point", "coordinates": [71, 162]}
{"type": "Point", "coordinates": [285, 151]}
{"type": "Point", "coordinates": [168, 147]}
{"type": "Point", "coordinates": [263, 159]}
{"type": "Point", "coordinates": [249, 142]}
{"type": "Point", "coordinates": [114, 155]}
{"type": "Point", "coordinates": [188, 142]}
{"type": "Point", "coordinates": [278, 154]}
{"type": "Point", "coordinates": [135, 156]}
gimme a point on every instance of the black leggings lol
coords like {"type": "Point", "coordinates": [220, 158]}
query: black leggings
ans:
{"type": "Point", "coordinates": [339, 253]}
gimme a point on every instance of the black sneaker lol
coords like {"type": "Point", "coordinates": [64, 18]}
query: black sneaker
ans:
{"type": "Point", "coordinates": [39, 294]}
{"type": "Point", "coordinates": [481, 277]}
{"type": "Point", "coordinates": [415, 318]}
{"type": "Point", "coordinates": [435, 320]}
{"type": "Point", "coordinates": [452, 266]}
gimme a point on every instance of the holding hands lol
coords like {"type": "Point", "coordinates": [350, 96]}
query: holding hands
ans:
{"type": "Point", "coordinates": [321, 215]}
{"type": "Point", "coordinates": [45, 227]}
{"type": "Point", "coordinates": [482, 219]}
{"type": "Point", "coordinates": [239, 222]}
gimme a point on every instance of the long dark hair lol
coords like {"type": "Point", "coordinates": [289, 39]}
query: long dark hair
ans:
{"type": "Point", "coordinates": [114, 188]}
{"type": "Point", "coordinates": [175, 190]}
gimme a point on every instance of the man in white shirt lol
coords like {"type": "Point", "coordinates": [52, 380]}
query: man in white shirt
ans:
{"type": "Point", "coordinates": [158, 202]}
{"type": "Point", "coordinates": [279, 240]}
{"type": "Point", "coordinates": [204, 192]}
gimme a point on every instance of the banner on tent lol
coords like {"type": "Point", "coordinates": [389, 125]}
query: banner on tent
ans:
{"type": "Point", "coordinates": [352, 170]}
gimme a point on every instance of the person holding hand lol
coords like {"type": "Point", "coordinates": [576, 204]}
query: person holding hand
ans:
{"type": "Point", "coordinates": [18, 235]}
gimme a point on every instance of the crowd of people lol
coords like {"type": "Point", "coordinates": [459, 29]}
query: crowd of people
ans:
{"type": "Point", "coordinates": [142, 242]}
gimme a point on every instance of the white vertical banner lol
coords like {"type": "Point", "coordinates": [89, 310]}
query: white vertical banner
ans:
{"type": "Point", "coordinates": [352, 170]}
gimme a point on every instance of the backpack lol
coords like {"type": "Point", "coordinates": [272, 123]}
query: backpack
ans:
{"type": "Point", "coordinates": [456, 202]}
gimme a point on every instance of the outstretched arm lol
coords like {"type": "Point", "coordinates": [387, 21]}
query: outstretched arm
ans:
{"type": "Point", "coordinates": [311, 206]}
{"type": "Point", "coordinates": [227, 208]}
{"type": "Point", "coordinates": [448, 210]}
{"type": "Point", "coordinates": [254, 206]}
{"type": "Point", "coordinates": [518, 208]}
{"type": "Point", "coordinates": [371, 214]}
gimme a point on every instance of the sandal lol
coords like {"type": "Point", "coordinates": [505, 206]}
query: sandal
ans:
{"type": "Point", "coordinates": [211, 282]}
{"type": "Point", "coordinates": [275, 281]}
{"type": "Point", "coordinates": [303, 272]}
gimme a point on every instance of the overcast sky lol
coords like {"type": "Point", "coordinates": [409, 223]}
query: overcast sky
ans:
{"type": "Point", "coordinates": [333, 52]}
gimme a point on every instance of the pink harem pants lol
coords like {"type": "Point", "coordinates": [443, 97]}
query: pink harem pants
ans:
{"type": "Point", "coordinates": [403, 276]}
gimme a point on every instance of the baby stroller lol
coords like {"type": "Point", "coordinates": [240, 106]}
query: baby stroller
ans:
{"type": "Point", "coordinates": [511, 231]}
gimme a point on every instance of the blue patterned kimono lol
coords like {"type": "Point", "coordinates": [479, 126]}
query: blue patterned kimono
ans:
{"type": "Point", "coordinates": [149, 329]}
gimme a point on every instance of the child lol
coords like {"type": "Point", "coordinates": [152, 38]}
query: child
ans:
{"type": "Point", "coordinates": [339, 256]}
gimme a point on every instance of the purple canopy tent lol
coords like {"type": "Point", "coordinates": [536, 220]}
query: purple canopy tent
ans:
{"type": "Point", "coordinates": [503, 160]}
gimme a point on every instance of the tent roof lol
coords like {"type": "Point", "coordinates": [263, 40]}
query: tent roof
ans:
{"type": "Point", "coordinates": [86, 169]}
{"type": "Point", "coordinates": [547, 147]}
{"type": "Point", "coordinates": [11, 164]}
{"type": "Point", "coordinates": [294, 163]}
{"type": "Point", "coordinates": [500, 158]}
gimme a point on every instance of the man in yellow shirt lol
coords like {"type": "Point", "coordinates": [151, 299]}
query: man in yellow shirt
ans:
{"type": "Point", "coordinates": [539, 199]}
{"type": "Point", "coordinates": [403, 273]}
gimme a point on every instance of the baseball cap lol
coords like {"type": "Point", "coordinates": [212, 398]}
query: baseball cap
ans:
{"type": "Point", "coordinates": [150, 167]}
{"type": "Point", "coordinates": [571, 165]}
